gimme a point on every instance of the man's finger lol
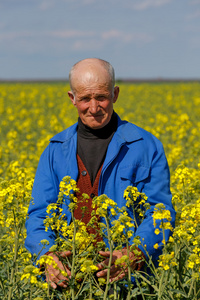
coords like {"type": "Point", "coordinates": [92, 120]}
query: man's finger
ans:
{"type": "Point", "coordinates": [102, 274]}
{"type": "Point", "coordinates": [119, 277]}
{"type": "Point", "coordinates": [114, 270]}
{"type": "Point", "coordinates": [105, 263]}
{"type": "Point", "coordinates": [57, 280]}
{"type": "Point", "coordinates": [104, 253]}
{"type": "Point", "coordinates": [55, 277]}
{"type": "Point", "coordinates": [114, 273]}
{"type": "Point", "coordinates": [65, 254]}
{"type": "Point", "coordinates": [53, 285]}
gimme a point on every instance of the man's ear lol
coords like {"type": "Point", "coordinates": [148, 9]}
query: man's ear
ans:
{"type": "Point", "coordinates": [72, 98]}
{"type": "Point", "coordinates": [116, 93]}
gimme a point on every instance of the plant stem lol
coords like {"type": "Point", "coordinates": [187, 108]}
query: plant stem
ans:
{"type": "Point", "coordinates": [90, 297]}
{"type": "Point", "coordinates": [73, 257]}
{"type": "Point", "coordinates": [14, 262]}
{"type": "Point", "coordinates": [31, 292]}
{"type": "Point", "coordinates": [115, 291]}
{"type": "Point", "coordinates": [129, 272]}
{"type": "Point", "coordinates": [82, 284]}
{"type": "Point", "coordinates": [2, 286]}
{"type": "Point", "coordinates": [191, 287]}
{"type": "Point", "coordinates": [110, 258]}
{"type": "Point", "coordinates": [160, 286]}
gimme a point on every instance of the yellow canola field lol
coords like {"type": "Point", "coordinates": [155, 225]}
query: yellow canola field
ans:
{"type": "Point", "coordinates": [31, 113]}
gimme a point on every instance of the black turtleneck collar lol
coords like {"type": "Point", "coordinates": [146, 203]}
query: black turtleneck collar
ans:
{"type": "Point", "coordinates": [102, 133]}
{"type": "Point", "coordinates": [93, 144]}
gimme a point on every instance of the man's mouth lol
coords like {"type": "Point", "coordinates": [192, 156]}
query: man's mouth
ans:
{"type": "Point", "coordinates": [96, 116]}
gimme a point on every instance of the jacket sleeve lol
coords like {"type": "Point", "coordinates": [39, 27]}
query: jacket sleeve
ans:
{"type": "Point", "coordinates": [157, 189]}
{"type": "Point", "coordinates": [45, 191]}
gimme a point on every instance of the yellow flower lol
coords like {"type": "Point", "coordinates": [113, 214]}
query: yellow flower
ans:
{"type": "Point", "coordinates": [191, 264]}
{"type": "Point", "coordinates": [27, 275]}
{"type": "Point", "coordinates": [156, 246]}
{"type": "Point", "coordinates": [33, 279]}
{"type": "Point", "coordinates": [166, 267]}
{"type": "Point", "coordinates": [88, 266]}
{"type": "Point", "coordinates": [157, 231]}
{"type": "Point", "coordinates": [113, 212]}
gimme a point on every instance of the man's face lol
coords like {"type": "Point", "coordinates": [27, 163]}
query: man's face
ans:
{"type": "Point", "coordinates": [94, 98]}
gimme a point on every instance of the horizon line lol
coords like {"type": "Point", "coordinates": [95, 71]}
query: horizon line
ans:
{"type": "Point", "coordinates": [128, 80]}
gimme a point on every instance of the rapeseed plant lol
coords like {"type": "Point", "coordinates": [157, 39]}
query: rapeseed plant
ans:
{"type": "Point", "coordinates": [30, 114]}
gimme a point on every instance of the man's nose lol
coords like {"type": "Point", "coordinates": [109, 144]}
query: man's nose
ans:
{"type": "Point", "coordinates": [94, 106]}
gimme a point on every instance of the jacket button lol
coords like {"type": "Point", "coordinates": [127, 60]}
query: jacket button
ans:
{"type": "Point", "coordinates": [92, 195]}
{"type": "Point", "coordinates": [84, 173]}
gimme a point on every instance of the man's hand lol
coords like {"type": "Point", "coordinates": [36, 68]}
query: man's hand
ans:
{"type": "Point", "coordinates": [53, 276]}
{"type": "Point", "coordinates": [118, 272]}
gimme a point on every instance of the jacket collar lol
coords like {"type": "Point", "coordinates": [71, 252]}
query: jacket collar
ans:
{"type": "Point", "coordinates": [126, 132]}
{"type": "Point", "coordinates": [65, 135]}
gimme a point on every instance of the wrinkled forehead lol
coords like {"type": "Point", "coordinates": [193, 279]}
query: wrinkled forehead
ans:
{"type": "Point", "coordinates": [91, 76]}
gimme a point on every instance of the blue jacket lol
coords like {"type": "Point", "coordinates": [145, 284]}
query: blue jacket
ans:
{"type": "Point", "coordinates": [134, 157]}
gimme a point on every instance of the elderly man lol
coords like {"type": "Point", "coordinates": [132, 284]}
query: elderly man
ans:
{"type": "Point", "coordinates": [104, 155]}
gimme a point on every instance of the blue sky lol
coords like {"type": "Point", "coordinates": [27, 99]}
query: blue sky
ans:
{"type": "Point", "coordinates": [140, 38]}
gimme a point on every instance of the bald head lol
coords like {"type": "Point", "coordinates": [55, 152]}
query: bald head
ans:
{"type": "Point", "coordinates": [91, 69]}
{"type": "Point", "coordinates": [93, 92]}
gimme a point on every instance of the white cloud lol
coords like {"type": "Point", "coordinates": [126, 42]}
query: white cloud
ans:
{"type": "Point", "coordinates": [125, 36]}
{"type": "Point", "coordinates": [72, 33]}
{"type": "Point", "coordinates": [38, 42]}
{"type": "Point", "coordinates": [66, 34]}
{"type": "Point", "coordinates": [91, 45]}
{"type": "Point", "coordinates": [145, 4]}
{"type": "Point", "coordinates": [134, 4]}
{"type": "Point", "coordinates": [113, 33]}
{"type": "Point", "coordinates": [99, 40]}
